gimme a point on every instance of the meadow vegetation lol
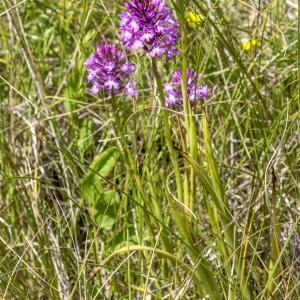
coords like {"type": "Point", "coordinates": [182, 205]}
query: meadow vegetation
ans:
{"type": "Point", "coordinates": [116, 197]}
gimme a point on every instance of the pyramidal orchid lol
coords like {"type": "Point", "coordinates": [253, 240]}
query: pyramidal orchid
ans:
{"type": "Point", "coordinates": [195, 90]}
{"type": "Point", "coordinates": [149, 25]}
{"type": "Point", "coordinates": [108, 69]}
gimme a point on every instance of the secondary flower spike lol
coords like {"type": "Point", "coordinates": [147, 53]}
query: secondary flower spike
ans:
{"type": "Point", "coordinates": [195, 90]}
{"type": "Point", "coordinates": [107, 68]}
{"type": "Point", "coordinates": [149, 25]}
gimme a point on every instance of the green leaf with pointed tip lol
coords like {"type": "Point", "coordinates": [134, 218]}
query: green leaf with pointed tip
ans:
{"type": "Point", "coordinates": [103, 202]}
{"type": "Point", "coordinates": [105, 209]}
{"type": "Point", "coordinates": [104, 163]}
{"type": "Point", "coordinates": [85, 141]}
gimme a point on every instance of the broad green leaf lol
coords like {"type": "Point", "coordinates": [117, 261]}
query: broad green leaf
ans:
{"type": "Point", "coordinates": [104, 163]}
{"type": "Point", "coordinates": [91, 189]}
{"type": "Point", "coordinates": [85, 140]}
{"type": "Point", "coordinates": [103, 202]}
{"type": "Point", "coordinates": [126, 236]}
{"type": "Point", "coordinates": [105, 209]}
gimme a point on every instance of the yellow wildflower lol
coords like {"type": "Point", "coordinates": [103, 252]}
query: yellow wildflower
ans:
{"type": "Point", "coordinates": [193, 19]}
{"type": "Point", "coordinates": [248, 44]}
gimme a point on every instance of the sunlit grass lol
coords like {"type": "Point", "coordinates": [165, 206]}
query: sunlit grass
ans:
{"type": "Point", "coordinates": [114, 198]}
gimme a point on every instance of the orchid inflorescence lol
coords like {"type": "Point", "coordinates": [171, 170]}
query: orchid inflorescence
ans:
{"type": "Point", "coordinates": [195, 90]}
{"type": "Point", "coordinates": [150, 26]}
{"type": "Point", "coordinates": [107, 68]}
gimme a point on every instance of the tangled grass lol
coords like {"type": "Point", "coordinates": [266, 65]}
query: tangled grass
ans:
{"type": "Point", "coordinates": [100, 200]}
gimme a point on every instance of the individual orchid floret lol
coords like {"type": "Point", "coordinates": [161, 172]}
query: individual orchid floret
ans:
{"type": "Point", "coordinates": [149, 25]}
{"type": "Point", "coordinates": [195, 91]}
{"type": "Point", "coordinates": [130, 90]}
{"type": "Point", "coordinates": [108, 69]}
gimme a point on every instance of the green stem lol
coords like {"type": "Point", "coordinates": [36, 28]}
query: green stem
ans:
{"type": "Point", "coordinates": [131, 167]}
{"type": "Point", "coordinates": [190, 124]}
{"type": "Point", "coordinates": [206, 282]}
{"type": "Point", "coordinates": [167, 131]}
{"type": "Point", "coordinates": [129, 160]}
{"type": "Point", "coordinates": [228, 246]}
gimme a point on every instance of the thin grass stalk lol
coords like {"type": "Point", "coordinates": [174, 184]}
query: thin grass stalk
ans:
{"type": "Point", "coordinates": [192, 133]}
{"type": "Point", "coordinates": [190, 187]}
{"type": "Point", "coordinates": [229, 245]}
{"type": "Point", "coordinates": [131, 166]}
{"type": "Point", "coordinates": [206, 281]}
{"type": "Point", "coordinates": [167, 131]}
{"type": "Point", "coordinates": [244, 250]}
{"type": "Point", "coordinates": [272, 272]}
{"type": "Point", "coordinates": [275, 243]}
{"type": "Point", "coordinates": [129, 160]}
{"type": "Point", "coordinates": [298, 64]}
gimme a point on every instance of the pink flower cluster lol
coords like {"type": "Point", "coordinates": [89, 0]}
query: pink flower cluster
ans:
{"type": "Point", "coordinates": [108, 69]}
{"type": "Point", "coordinates": [148, 25]}
{"type": "Point", "coordinates": [195, 90]}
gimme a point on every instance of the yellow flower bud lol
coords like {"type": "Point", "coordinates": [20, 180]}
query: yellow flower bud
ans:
{"type": "Point", "coordinates": [248, 44]}
{"type": "Point", "coordinates": [193, 19]}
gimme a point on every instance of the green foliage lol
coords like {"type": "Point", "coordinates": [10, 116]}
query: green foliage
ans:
{"type": "Point", "coordinates": [104, 203]}
{"type": "Point", "coordinates": [107, 198]}
{"type": "Point", "coordinates": [85, 140]}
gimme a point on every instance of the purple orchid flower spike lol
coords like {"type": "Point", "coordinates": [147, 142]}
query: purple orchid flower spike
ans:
{"type": "Point", "coordinates": [195, 91]}
{"type": "Point", "coordinates": [108, 69]}
{"type": "Point", "coordinates": [150, 25]}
